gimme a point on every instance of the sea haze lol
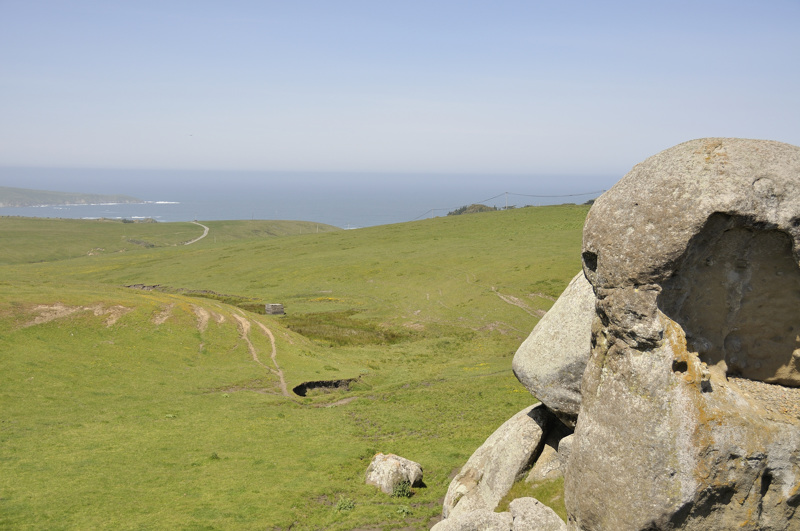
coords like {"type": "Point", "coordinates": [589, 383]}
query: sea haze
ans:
{"type": "Point", "coordinates": [340, 199]}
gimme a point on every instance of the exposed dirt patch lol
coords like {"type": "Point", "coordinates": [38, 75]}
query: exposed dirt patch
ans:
{"type": "Point", "coordinates": [274, 358]}
{"type": "Point", "coordinates": [325, 500]}
{"type": "Point", "coordinates": [162, 316]}
{"type": "Point", "coordinates": [541, 296]}
{"type": "Point", "coordinates": [244, 328]}
{"type": "Point", "coordinates": [202, 317]}
{"type": "Point", "coordinates": [51, 312]}
{"type": "Point", "coordinates": [113, 313]}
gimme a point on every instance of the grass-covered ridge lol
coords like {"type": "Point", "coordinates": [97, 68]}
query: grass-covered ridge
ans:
{"type": "Point", "coordinates": [133, 409]}
{"type": "Point", "coordinates": [43, 240]}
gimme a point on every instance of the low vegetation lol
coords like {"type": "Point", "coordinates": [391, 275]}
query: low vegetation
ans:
{"type": "Point", "coordinates": [343, 328]}
{"type": "Point", "coordinates": [144, 409]}
{"type": "Point", "coordinates": [471, 209]}
{"type": "Point", "coordinates": [550, 492]}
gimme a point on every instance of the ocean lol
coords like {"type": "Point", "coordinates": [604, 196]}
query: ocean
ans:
{"type": "Point", "coordinates": [340, 199]}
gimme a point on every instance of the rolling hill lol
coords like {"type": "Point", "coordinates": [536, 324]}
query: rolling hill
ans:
{"type": "Point", "coordinates": [170, 408]}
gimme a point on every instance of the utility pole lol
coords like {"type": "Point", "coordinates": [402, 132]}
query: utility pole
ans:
{"type": "Point", "coordinates": [506, 200]}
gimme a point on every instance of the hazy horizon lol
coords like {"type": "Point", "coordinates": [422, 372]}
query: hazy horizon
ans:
{"type": "Point", "coordinates": [344, 200]}
{"type": "Point", "coordinates": [508, 87]}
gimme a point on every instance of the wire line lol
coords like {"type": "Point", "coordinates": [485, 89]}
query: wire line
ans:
{"type": "Point", "coordinates": [508, 193]}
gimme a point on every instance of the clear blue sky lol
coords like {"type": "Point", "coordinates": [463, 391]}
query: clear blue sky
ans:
{"type": "Point", "coordinates": [524, 87]}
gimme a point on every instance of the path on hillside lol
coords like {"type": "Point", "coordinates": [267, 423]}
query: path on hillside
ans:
{"type": "Point", "coordinates": [205, 233]}
{"type": "Point", "coordinates": [515, 301]}
{"type": "Point", "coordinates": [244, 327]}
{"type": "Point", "coordinates": [274, 358]}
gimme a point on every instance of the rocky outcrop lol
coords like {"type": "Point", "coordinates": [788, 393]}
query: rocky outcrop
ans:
{"type": "Point", "coordinates": [494, 467]}
{"type": "Point", "coordinates": [686, 416]}
{"type": "Point", "coordinates": [387, 471]}
{"type": "Point", "coordinates": [478, 520]}
{"type": "Point", "coordinates": [551, 361]}
{"type": "Point", "coordinates": [552, 460]}
{"type": "Point", "coordinates": [693, 257]}
{"type": "Point", "coordinates": [524, 514]}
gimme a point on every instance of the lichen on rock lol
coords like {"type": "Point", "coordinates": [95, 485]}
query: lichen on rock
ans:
{"type": "Point", "coordinates": [694, 259]}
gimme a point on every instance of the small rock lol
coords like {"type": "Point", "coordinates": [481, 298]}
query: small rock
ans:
{"type": "Point", "coordinates": [565, 448]}
{"type": "Point", "coordinates": [548, 466]}
{"type": "Point", "coordinates": [386, 471]}
{"type": "Point", "coordinates": [551, 463]}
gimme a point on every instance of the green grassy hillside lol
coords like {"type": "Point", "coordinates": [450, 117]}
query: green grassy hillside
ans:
{"type": "Point", "coordinates": [27, 240]}
{"type": "Point", "coordinates": [126, 408]}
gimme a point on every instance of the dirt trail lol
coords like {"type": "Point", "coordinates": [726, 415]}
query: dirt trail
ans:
{"type": "Point", "coordinates": [342, 402]}
{"type": "Point", "coordinates": [274, 358]}
{"type": "Point", "coordinates": [163, 315]}
{"type": "Point", "coordinates": [205, 233]}
{"type": "Point", "coordinates": [244, 326]}
{"type": "Point", "coordinates": [202, 317]}
{"type": "Point", "coordinates": [515, 301]}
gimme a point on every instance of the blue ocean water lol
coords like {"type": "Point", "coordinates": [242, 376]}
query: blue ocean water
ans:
{"type": "Point", "coordinates": [343, 200]}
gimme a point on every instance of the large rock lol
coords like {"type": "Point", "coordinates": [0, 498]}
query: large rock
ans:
{"type": "Point", "coordinates": [532, 515]}
{"type": "Point", "coordinates": [478, 520]}
{"type": "Point", "coordinates": [494, 467]}
{"type": "Point", "coordinates": [387, 471]}
{"type": "Point", "coordinates": [524, 514]}
{"type": "Point", "coordinates": [550, 363]}
{"type": "Point", "coordinates": [694, 259]}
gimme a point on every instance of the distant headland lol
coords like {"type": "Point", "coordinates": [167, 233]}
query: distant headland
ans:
{"type": "Point", "coordinates": [22, 197]}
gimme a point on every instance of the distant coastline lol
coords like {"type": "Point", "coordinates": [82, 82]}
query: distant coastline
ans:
{"type": "Point", "coordinates": [341, 200]}
{"type": "Point", "coordinates": [23, 197]}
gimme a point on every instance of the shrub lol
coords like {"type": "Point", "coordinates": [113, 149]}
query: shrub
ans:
{"type": "Point", "coordinates": [345, 504]}
{"type": "Point", "coordinates": [471, 209]}
{"type": "Point", "coordinates": [402, 490]}
{"type": "Point", "coordinates": [341, 329]}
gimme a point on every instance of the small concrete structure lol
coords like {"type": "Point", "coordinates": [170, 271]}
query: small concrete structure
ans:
{"type": "Point", "coordinates": [274, 309]}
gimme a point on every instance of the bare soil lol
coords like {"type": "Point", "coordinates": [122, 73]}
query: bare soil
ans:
{"type": "Point", "coordinates": [51, 312]}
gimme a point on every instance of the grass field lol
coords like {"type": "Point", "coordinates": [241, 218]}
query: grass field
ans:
{"type": "Point", "coordinates": [125, 408]}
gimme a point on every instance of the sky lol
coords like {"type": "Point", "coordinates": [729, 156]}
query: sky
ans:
{"type": "Point", "coordinates": [431, 87]}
